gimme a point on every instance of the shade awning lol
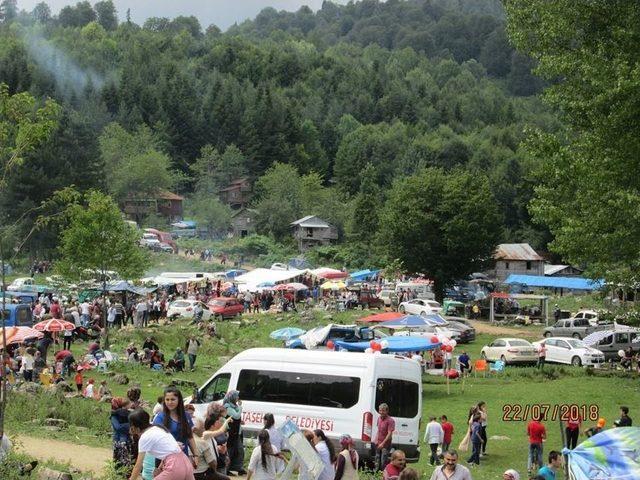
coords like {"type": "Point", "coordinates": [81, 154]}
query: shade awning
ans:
{"type": "Point", "coordinates": [571, 283]}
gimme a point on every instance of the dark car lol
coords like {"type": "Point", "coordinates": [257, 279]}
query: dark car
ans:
{"type": "Point", "coordinates": [462, 325]}
{"type": "Point", "coordinates": [369, 299]}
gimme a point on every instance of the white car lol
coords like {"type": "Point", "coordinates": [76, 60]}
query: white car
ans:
{"type": "Point", "coordinates": [279, 266]}
{"type": "Point", "coordinates": [20, 283]}
{"type": "Point", "coordinates": [420, 306]}
{"type": "Point", "coordinates": [510, 350]}
{"type": "Point", "coordinates": [149, 240]}
{"type": "Point", "coordinates": [571, 351]}
{"type": "Point", "coordinates": [385, 296]}
{"type": "Point", "coordinates": [429, 332]}
{"type": "Point", "coordinates": [184, 308]}
{"type": "Point", "coordinates": [590, 315]}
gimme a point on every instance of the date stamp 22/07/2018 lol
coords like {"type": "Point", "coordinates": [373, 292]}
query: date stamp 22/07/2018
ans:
{"type": "Point", "coordinates": [516, 412]}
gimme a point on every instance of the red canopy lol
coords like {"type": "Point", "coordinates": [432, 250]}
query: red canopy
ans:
{"type": "Point", "coordinates": [54, 325]}
{"type": "Point", "coordinates": [283, 286]}
{"type": "Point", "coordinates": [382, 317]}
{"type": "Point", "coordinates": [19, 334]}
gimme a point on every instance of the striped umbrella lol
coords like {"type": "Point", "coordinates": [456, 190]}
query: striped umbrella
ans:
{"type": "Point", "coordinates": [18, 335]}
{"type": "Point", "coordinates": [54, 325]}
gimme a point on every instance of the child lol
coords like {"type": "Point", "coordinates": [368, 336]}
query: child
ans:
{"type": "Point", "coordinates": [79, 380]}
{"type": "Point", "coordinates": [88, 392]}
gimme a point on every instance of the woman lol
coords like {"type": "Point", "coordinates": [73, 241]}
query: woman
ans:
{"type": "Point", "coordinates": [121, 438]}
{"type": "Point", "coordinates": [219, 436]}
{"type": "Point", "coordinates": [327, 454]}
{"type": "Point", "coordinates": [482, 410]}
{"type": "Point", "coordinates": [235, 449]}
{"type": "Point", "coordinates": [174, 418]}
{"type": "Point", "coordinates": [158, 443]}
{"type": "Point", "coordinates": [274, 433]}
{"type": "Point", "coordinates": [266, 460]}
{"type": "Point", "coordinates": [464, 443]}
{"type": "Point", "coordinates": [133, 395]}
{"type": "Point", "coordinates": [347, 462]}
{"type": "Point", "coordinates": [28, 364]}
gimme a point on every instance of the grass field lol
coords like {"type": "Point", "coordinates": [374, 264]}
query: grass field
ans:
{"type": "Point", "coordinates": [556, 385]}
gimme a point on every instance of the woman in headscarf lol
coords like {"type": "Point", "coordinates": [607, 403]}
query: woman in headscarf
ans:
{"type": "Point", "coordinates": [347, 460]}
{"type": "Point", "coordinates": [235, 448]}
{"type": "Point", "coordinates": [121, 438]}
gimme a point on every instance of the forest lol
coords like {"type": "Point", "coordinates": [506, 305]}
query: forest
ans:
{"type": "Point", "coordinates": [337, 113]}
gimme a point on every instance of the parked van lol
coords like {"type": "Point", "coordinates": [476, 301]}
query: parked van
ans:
{"type": "Point", "coordinates": [338, 392]}
{"type": "Point", "coordinates": [422, 290]}
{"type": "Point", "coordinates": [17, 315]}
{"type": "Point", "coordinates": [621, 340]}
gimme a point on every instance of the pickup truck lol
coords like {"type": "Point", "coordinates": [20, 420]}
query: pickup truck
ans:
{"type": "Point", "coordinates": [573, 327]}
{"type": "Point", "coordinates": [25, 284]}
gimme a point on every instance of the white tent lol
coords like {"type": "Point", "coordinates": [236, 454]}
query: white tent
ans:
{"type": "Point", "coordinates": [251, 280]}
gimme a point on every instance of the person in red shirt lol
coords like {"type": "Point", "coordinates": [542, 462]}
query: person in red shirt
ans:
{"type": "Point", "coordinates": [572, 430]}
{"type": "Point", "coordinates": [448, 433]}
{"type": "Point", "coordinates": [386, 426]}
{"type": "Point", "coordinates": [56, 311]}
{"type": "Point", "coordinates": [537, 434]}
{"type": "Point", "coordinates": [396, 466]}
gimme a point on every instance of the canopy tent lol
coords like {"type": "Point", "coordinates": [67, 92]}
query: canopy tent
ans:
{"type": "Point", "coordinates": [596, 337]}
{"type": "Point", "coordinates": [124, 286]}
{"type": "Point", "coordinates": [570, 283]}
{"type": "Point", "coordinates": [364, 274]}
{"type": "Point", "coordinates": [415, 321]}
{"type": "Point", "coordinates": [328, 273]}
{"type": "Point", "coordinates": [333, 285]}
{"type": "Point", "coordinates": [381, 317]}
{"type": "Point", "coordinates": [251, 280]}
{"type": "Point", "coordinates": [395, 344]}
{"type": "Point", "coordinates": [18, 335]}
{"type": "Point", "coordinates": [610, 455]}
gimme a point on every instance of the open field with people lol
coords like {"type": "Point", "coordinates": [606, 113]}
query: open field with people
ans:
{"type": "Point", "coordinates": [87, 421]}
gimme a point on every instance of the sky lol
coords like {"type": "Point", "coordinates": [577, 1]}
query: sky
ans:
{"type": "Point", "coordinates": [222, 13]}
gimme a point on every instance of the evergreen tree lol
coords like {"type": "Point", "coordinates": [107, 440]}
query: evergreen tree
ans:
{"type": "Point", "coordinates": [107, 15]}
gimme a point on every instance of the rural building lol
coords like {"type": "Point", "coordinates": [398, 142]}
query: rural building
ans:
{"type": "Point", "coordinates": [237, 194]}
{"type": "Point", "coordinates": [312, 231]}
{"type": "Point", "coordinates": [561, 271]}
{"type": "Point", "coordinates": [243, 222]}
{"type": "Point", "coordinates": [517, 258]}
{"type": "Point", "coordinates": [163, 203]}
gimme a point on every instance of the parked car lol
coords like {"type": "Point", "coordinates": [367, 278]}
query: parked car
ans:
{"type": "Point", "coordinates": [572, 327]}
{"type": "Point", "coordinates": [162, 247]}
{"type": "Point", "coordinates": [510, 350]}
{"type": "Point", "coordinates": [279, 266]}
{"type": "Point", "coordinates": [420, 306]}
{"type": "Point", "coordinates": [369, 299]}
{"type": "Point", "coordinates": [466, 331]}
{"type": "Point", "coordinates": [611, 344]}
{"type": "Point", "coordinates": [590, 315]}
{"type": "Point", "coordinates": [570, 351]}
{"type": "Point", "coordinates": [184, 308]}
{"type": "Point", "coordinates": [344, 333]}
{"type": "Point", "coordinates": [429, 332]}
{"type": "Point", "coordinates": [386, 294]}
{"type": "Point", "coordinates": [223, 307]}
{"type": "Point", "coordinates": [149, 240]}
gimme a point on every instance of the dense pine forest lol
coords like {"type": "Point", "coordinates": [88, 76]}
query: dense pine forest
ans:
{"type": "Point", "coordinates": [338, 113]}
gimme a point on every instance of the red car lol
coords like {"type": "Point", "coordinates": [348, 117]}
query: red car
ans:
{"type": "Point", "coordinates": [223, 307]}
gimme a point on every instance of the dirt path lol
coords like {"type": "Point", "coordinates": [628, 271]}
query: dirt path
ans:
{"type": "Point", "coordinates": [86, 459]}
{"type": "Point", "coordinates": [483, 327]}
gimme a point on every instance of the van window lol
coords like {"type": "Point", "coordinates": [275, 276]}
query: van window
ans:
{"type": "Point", "coordinates": [299, 388]}
{"type": "Point", "coordinates": [23, 316]}
{"type": "Point", "coordinates": [216, 389]}
{"type": "Point", "coordinates": [622, 337]}
{"type": "Point", "coordinates": [606, 340]}
{"type": "Point", "coordinates": [400, 395]}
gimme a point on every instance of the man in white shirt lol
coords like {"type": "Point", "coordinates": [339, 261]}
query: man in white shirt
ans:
{"type": "Point", "coordinates": [433, 435]}
{"type": "Point", "coordinates": [85, 314]}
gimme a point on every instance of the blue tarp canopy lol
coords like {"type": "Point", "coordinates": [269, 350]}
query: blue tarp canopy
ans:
{"type": "Point", "coordinates": [571, 283]}
{"type": "Point", "coordinates": [415, 321]}
{"type": "Point", "coordinates": [396, 344]}
{"type": "Point", "coordinates": [364, 274]}
{"type": "Point", "coordinates": [609, 455]}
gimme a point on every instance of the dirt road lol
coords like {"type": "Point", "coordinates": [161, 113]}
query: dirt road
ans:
{"type": "Point", "coordinates": [484, 327]}
{"type": "Point", "coordinates": [86, 459]}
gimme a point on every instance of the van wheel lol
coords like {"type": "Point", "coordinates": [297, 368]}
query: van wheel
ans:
{"type": "Point", "coordinates": [576, 362]}
{"type": "Point", "coordinates": [576, 335]}
{"type": "Point", "coordinates": [483, 356]}
{"type": "Point", "coordinates": [423, 314]}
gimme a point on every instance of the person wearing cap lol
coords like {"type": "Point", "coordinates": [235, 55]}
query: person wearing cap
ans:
{"type": "Point", "coordinates": [451, 470]}
{"type": "Point", "coordinates": [590, 432]}
{"type": "Point", "coordinates": [511, 474]}
{"type": "Point", "coordinates": [347, 460]}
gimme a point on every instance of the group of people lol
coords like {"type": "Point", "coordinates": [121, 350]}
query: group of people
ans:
{"type": "Point", "coordinates": [154, 358]}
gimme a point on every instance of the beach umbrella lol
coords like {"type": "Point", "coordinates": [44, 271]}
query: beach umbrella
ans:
{"type": "Point", "coordinates": [286, 333]}
{"type": "Point", "coordinates": [381, 317]}
{"type": "Point", "coordinates": [18, 335]}
{"type": "Point", "coordinates": [332, 285]}
{"type": "Point", "coordinates": [297, 286]}
{"type": "Point", "coordinates": [609, 455]}
{"type": "Point", "coordinates": [265, 285]}
{"type": "Point", "coordinates": [330, 273]}
{"type": "Point", "coordinates": [282, 287]}
{"type": "Point", "coordinates": [54, 325]}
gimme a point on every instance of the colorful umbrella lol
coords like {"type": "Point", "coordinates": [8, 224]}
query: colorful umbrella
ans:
{"type": "Point", "coordinates": [286, 333]}
{"type": "Point", "coordinates": [381, 317]}
{"type": "Point", "coordinates": [18, 335]}
{"type": "Point", "coordinates": [282, 287]}
{"type": "Point", "coordinates": [333, 285]}
{"type": "Point", "coordinates": [609, 455]}
{"type": "Point", "coordinates": [330, 273]}
{"type": "Point", "coordinates": [54, 325]}
{"type": "Point", "coordinates": [297, 286]}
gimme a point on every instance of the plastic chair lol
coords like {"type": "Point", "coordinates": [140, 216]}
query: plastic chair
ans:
{"type": "Point", "coordinates": [480, 366]}
{"type": "Point", "coordinates": [497, 367]}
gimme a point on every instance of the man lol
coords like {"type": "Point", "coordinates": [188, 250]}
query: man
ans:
{"type": "Point", "coordinates": [511, 474]}
{"type": "Point", "coordinates": [537, 433]}
{"type": "Point", "coordinates": [393, 470]}
{"type": "Point", "coordinates": [542, 355]}
{"type": "Point", "coordinates": [141, 309]}
{"type": "Point", "coordinates": [192, 351]}
{"type": "Point", "coordinates": [548, 472]}
{"type": "Point", "coordinates": [447, 428]}
{"type": "Point", "coordinates": [556, 313]}
{"type": "Point", "coordinates": [44, 343]}
{"type": "Point", "coordinates": [451, 470]}
{"type": "Point", "coordinates": [624, 420]}
{"type": "Point", "coordinates": [433, 436]}
{"type": "Point", "coordinates": [590, 432]}
{"type": "Point", "coordinates": [382, 443]}
{"type": "Point", "coordinates": [85, 315]}
{"type": "Point", "coordinates": [150, 344]}
{"type": "Point", "coordinates": [465, 363]}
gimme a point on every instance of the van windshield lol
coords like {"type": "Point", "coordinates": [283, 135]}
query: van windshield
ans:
{"type": "Point", "coordinates": [402, 396]}
{"type": "Point", "coordinates": [299, 388]}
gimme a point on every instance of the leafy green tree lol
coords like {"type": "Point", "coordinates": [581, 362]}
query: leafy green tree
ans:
{"type": "Point", "coordinates": [8, 10]}
{"type": "Point", "coordinates": [107, 15]}
{"type": "Point", "coordinates": [587, 192]}
{"type": "Point", "coordinates": [210, 213]}
{"type": "Point", "coordinates": [41, 13]}
{"type": "Point", "coordinates": [366, 206]}
{"type": "Point", "coordinates": [426, 224]}
{"type": "Point", "coordinates": [213, 171]}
